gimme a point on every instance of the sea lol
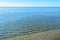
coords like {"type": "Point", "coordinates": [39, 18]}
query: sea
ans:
{"type": "Point", "coordinates": [21, 21]}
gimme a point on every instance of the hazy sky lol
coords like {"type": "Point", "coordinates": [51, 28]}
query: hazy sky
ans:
{"type": "Point", "coordinates": [30, 3]}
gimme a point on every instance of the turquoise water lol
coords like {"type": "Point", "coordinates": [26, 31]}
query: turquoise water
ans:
{"type": "Point", "coordinates": [28, 20]}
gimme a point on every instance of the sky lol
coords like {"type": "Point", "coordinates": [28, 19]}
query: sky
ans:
{"type": "Point", "coordinates": [29, 3]}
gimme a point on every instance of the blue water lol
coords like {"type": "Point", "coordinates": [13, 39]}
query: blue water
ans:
{"type": "Point", "coordinates": [27, 20]}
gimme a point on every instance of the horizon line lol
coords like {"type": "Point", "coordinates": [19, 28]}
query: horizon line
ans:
{"type": "Point", "coordinates": [18, 7]}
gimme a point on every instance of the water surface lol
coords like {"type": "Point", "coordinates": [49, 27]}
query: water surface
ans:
{"type": "Point", "coordinates": [28, 20]}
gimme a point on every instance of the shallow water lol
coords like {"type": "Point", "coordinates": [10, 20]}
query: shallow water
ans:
{"type": "Point", "coordinates": [25, 21]}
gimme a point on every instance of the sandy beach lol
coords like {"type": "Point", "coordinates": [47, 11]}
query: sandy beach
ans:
{"type": "Point", "coordinates": [47, 35]}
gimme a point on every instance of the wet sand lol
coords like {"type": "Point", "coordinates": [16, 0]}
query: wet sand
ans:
{"type": "Point", "coordinates": [47, 35]}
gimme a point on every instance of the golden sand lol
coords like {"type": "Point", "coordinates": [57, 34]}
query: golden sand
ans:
{"type": "Point", "coordinates": [48, 35]}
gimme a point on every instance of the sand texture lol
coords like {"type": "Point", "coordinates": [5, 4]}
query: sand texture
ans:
{"type": "Point", "coordinates": [48, 35]}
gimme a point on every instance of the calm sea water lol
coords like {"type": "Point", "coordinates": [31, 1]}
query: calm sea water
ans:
{"type": "Point", "coordinates": [27, 20]}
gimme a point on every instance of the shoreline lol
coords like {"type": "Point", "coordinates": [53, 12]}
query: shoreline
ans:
{"type": "Point", "coordinates": [47, 35]}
